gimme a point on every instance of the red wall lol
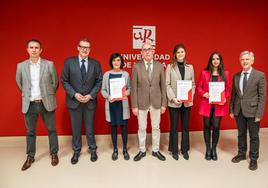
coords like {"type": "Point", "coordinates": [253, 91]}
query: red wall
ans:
{"type": "Point", "coordinates": [203, 27]}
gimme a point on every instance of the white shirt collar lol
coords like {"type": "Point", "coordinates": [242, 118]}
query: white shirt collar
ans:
{"type": "Point", "coordinates": [38, 62]}
{"type": "Point", "coordinates": [80, 59]}
{"type": "Point", "coordinates": [249, 71]}
{"type": "Point", "coordinates": [146, 62]}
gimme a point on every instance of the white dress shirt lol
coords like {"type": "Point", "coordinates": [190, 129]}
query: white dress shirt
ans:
{"type": "Point", "coordinates": [35, 78]}
{"type": "Point", "coordinates": [86, 62]}
{"type": "Point", "coordinates": [242, 77]}
{"type": "Point", "coordinates": [146, 64]}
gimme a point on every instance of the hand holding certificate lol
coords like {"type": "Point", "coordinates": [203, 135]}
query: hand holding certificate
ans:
{"type": "Point", "coordinates": [117, 89]}
{"type": "Point", "coordinates": [216, 93]}
{"type": "Point", "coordinates": [184, 90]}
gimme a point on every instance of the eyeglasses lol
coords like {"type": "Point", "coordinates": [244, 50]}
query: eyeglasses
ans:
{"type": "Point", "coordinates": [147, 49]}
{"type": "Point", "coordinates": [84, 47]}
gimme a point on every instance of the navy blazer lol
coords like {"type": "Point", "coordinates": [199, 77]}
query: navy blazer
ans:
{"type": "Point", "coordinates": [72, 82]}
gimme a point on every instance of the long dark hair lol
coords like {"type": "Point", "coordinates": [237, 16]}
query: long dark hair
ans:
{"type": "Point", "coordinates": [174, 59]}
{"type": "Point", "coordinates": [220, 67]}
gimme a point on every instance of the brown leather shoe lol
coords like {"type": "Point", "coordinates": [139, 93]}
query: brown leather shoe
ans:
{"type": "Point", "coordinates": [27, 163]}
{"type": "Point", "coordinates": [54, 159]}
{"type": "Point", "coordinates": [238, 158]}
{"type": "Point", "coordinates": [253, 165]}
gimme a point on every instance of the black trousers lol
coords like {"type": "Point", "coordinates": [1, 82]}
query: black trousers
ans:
{"type": "Point", "coordinates": [244, 123]}
{"type": "Point", "coordinates": [211, 122]}
{"type": "Point", "coordinates": [31, 118]}
{"type": "Point", "coordinates": [174, 113]}
{"type": "Point", "coordinates": [124, 136]}
{"type": "Point", "coordinates": [78, 116]}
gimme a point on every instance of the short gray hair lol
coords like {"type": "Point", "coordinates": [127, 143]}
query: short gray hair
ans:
{"type": "Point", "coordinates": [251, 54]}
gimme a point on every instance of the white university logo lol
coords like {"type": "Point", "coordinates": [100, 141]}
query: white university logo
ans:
{"type": "Point", "coordinates": [143, 34]}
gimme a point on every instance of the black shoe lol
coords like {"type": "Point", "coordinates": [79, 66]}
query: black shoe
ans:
{"type": "Point", "coordinates": [214, 156]}
{"type": "Point", "coordinates": [139, 156]}
{"type": "Point", "coordinates": [208, 153]}
{"type": "Point", "coordinates": [126, 155]}
{"type": "Point", "coordinates": [253, 165]}
{"type": "Point", "coordinates": [175, 156]}
{"type": "Point", "coordinates": [93, 156]}
{"type": "Point", "coordinates": [159, 155]}
{"type": "Point", "coordinates": [75, 158]}
{"type": "Point", "coordinates": [185, 155]}
{"type": "Point", "coordinates": [115, 155]}
{"type": "Point", "coordinates": [238, 158]}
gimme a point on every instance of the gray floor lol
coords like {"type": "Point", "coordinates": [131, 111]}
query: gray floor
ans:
{"type": "Point", "coordinates": [149, 172]}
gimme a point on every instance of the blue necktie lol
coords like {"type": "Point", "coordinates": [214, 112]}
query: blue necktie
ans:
{"type": "Point", "coordinates": [83, 69]}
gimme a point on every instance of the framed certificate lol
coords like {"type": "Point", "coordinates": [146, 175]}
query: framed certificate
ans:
{"type": "Point", "coordinates": [216, 93]}
{"type": "Point", "coordinates": [184, 90]}
{"type": "Point", "coordinates": [117, 89]}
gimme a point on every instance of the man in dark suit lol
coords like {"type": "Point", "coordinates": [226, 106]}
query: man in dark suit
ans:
{"type": "Point", "coordinates": [38, 81]}
{"type": "Point", "coordinates": [81, 78]}
{"type": "Point", "coordinates": [247, 107]}
{"type": "Point", "coordinates": [148, 95]}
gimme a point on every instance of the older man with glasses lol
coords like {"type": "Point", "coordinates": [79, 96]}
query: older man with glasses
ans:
{"type": "Point", "coordinates": [148, 95]}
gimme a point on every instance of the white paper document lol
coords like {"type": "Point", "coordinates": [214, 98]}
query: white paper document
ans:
{"type": "Point", "coordinates": [216, 92]}
{"type": "Point", "coordinates": [184, 90]}
{"type": "Point", "coordinates": [117, 86]}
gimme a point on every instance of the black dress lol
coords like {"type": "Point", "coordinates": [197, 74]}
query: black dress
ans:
{"type": "Point", "coordinates": [116, 107]}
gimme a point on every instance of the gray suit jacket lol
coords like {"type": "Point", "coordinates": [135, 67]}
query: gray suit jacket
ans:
{"type": "Point", "coordinates": [48, 84]}
{"type": "Point", "coordinates": [172, 75]}
{"type": "Point", "coordinates": [252, 102]}
{"type": "Point", "coordinates": [72, 82]}
{"type": "Point", "coordinates": [145, 92]}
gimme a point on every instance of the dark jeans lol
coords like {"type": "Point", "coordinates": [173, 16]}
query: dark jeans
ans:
{"type": "Point", "coordinates": [244, 123]}
{"type": "Point", "coordinates": [174, 113]}
{"type": "Point", "coordinates": [31, 118]}
{"type": "Point", "coordinates": [211, 122]}
{"type": "Point", "coordinates": [124, 136]}
{"type": "Point", "coordinates": [78, 116]}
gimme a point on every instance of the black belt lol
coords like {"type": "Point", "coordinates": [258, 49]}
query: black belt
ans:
{"type": "Point", "coordinates": [36, 101]}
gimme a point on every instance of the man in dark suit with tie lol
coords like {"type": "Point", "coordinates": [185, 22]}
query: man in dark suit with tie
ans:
{"type": "Point", "coordinates": [38, 81]}
{"type": "Point", "coordinates": [81, 78]}
{"type": "Point", "coordinates": [247, 107]}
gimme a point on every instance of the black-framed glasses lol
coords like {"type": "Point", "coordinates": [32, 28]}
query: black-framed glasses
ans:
{"type": "Point", "coordinates": [84, 47]}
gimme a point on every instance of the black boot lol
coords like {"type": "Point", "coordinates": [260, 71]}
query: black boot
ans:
{"type": "Point", "coordinates": [214, 153]}
{"type": "Point", "coordinates": [208, 153]}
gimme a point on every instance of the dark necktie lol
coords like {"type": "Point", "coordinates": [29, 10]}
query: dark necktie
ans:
{"type": "Point", "coordinates": [245, 81]}
{"type": "Point", "coordinates": [83, 69]}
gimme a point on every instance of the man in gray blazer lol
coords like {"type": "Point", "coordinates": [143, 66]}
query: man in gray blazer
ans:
{"type": "Point", "coordinates": [38, 81]}
{"type": "Point", "coordinates": [148, 95]}
{"type": "Point", "coordinates": [247, 106]}
{"type": "Point", "coordinates": [81, 78]}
